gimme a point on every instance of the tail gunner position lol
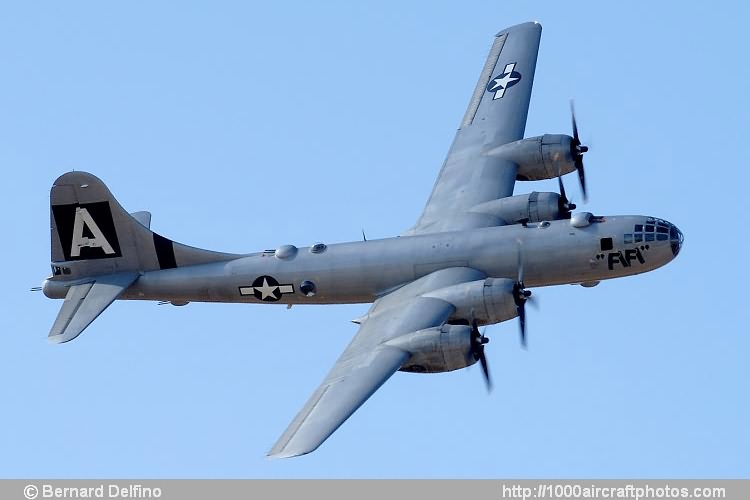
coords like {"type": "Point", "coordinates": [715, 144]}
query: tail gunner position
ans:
{"type": "Point", "coordinates": [468, 261]}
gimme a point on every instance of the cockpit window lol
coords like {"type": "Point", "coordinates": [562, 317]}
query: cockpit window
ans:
{"type": "Point", "coordinates": [653, 230]}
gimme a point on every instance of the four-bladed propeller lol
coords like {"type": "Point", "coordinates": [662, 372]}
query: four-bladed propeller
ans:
{"type": "Point", "coordinates": [520, 295]}
{"type": "Point", "coordinates": [577, 150]}
{"type": "Point", "coordinates": [564, 204]}
{"type": "Point", "coordinates": [478, 341]}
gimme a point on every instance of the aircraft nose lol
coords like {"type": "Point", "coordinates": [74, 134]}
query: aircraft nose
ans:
{"type": "Point", "coordinates": [675, 239]}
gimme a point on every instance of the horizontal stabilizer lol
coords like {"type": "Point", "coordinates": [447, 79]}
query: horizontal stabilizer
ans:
{"type": "Point", "coordinates": [85, 302]}
{"type": "Point", "coordinates": [143, 217]}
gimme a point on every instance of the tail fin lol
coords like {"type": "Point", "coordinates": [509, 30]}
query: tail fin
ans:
{"type": "Point", "coordinates": [99, 250]}
{"type": "Point", "coordinates": [93, 235]}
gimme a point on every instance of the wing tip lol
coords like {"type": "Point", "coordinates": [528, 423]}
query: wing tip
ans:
{"type": "Point", "coordinates": [282, 453]}
{"type": "Point", "coordinates": [56, 339]}
{"type": "Point", "coordinates": [61, 338]}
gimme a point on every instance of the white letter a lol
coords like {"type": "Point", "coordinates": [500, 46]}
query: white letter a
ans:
{"type": "Point", "coordinates": [79, 240]}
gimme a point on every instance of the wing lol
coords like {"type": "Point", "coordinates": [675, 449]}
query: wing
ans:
{"type": "Point", "coordinates": [84, 302]}
{"type": "Point", "coordinates": [496, 116]}
{"type": "Point", "coordinates": [367, 362]}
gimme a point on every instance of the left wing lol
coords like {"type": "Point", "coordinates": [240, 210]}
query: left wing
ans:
{"type": "Point", "coordinates": [368, 362]}
{"type": "Point", "coordinates": [496, 115]}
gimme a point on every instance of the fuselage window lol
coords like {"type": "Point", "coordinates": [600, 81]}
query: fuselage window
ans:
{"type": "Point", "coordinates": [318, 248]}
{"type": "Point", "coordinates": [57, 270]}
{"type": "Point", "coordinates": [606, 244]}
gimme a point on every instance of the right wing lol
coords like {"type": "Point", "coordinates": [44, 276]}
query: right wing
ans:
{"type": "Point", "coordinates": [496, 115]}
{"type": "Point", "coordinates": [367, 362]}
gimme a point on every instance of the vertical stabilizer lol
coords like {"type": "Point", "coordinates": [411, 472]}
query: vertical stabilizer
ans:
{"type": "Point", "coordinates": [93, 235]}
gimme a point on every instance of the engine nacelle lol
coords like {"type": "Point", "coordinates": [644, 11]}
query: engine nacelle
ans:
{"type": "Point", "coordinates": [436, 350]}
{"type": "Point", "coordinates": [450, 347]}
{"type": "Point", "coordinates": [532, 207]}
{"type": "Point", "coordinates": [487, 301]}
{"type": "Point", "coordinates": [538, 158]}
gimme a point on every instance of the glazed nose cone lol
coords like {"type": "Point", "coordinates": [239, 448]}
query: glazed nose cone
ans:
{"type": "Point", "coordinates": [675, 239]}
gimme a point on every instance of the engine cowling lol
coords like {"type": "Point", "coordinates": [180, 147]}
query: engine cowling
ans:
{"type": "Point", "coordinates": [434, 350]}
{"type": "Point", "coordinates": [532, 207]}
{"type": "Point", "coordinates": [487, 301]}
{"type": "Point", "coordinates": [543, 157]}
{"type": "Point", "coordinates": [451, 347]}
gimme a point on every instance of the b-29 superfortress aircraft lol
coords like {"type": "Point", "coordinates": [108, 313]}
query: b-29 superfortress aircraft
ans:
{"type": "Point", "coordinates": [468, 261]}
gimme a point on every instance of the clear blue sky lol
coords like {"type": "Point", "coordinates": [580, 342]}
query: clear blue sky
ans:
{"type": "Point", "coordinates": [244, 126]}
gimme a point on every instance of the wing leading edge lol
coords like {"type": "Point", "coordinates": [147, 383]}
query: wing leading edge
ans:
{"type": "Point", "coordinates": [368, 361]}
{"type": "Point", "coordinates": [496, 115]}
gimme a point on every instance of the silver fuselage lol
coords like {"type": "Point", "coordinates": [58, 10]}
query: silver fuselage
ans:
{"type": "Point", "coordinates": [552, 253]}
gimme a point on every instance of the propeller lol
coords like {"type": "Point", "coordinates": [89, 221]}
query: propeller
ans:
{"type": "Point", "coordinates": [577, 150]}
{"type": "Point", "coordinates": [478, 341]}
{"type": "Point", "coordinates": [521, 296]}
{"type": "Point", "coordinates": [564, 204]}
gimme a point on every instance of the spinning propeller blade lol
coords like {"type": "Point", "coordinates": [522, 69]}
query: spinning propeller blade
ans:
{"type": "Point", "coordinates": [478, 340]}
{"type": "Point", "coordinates": [521, 296]}
{"type": "Point", "coordinates": [577, 150]}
